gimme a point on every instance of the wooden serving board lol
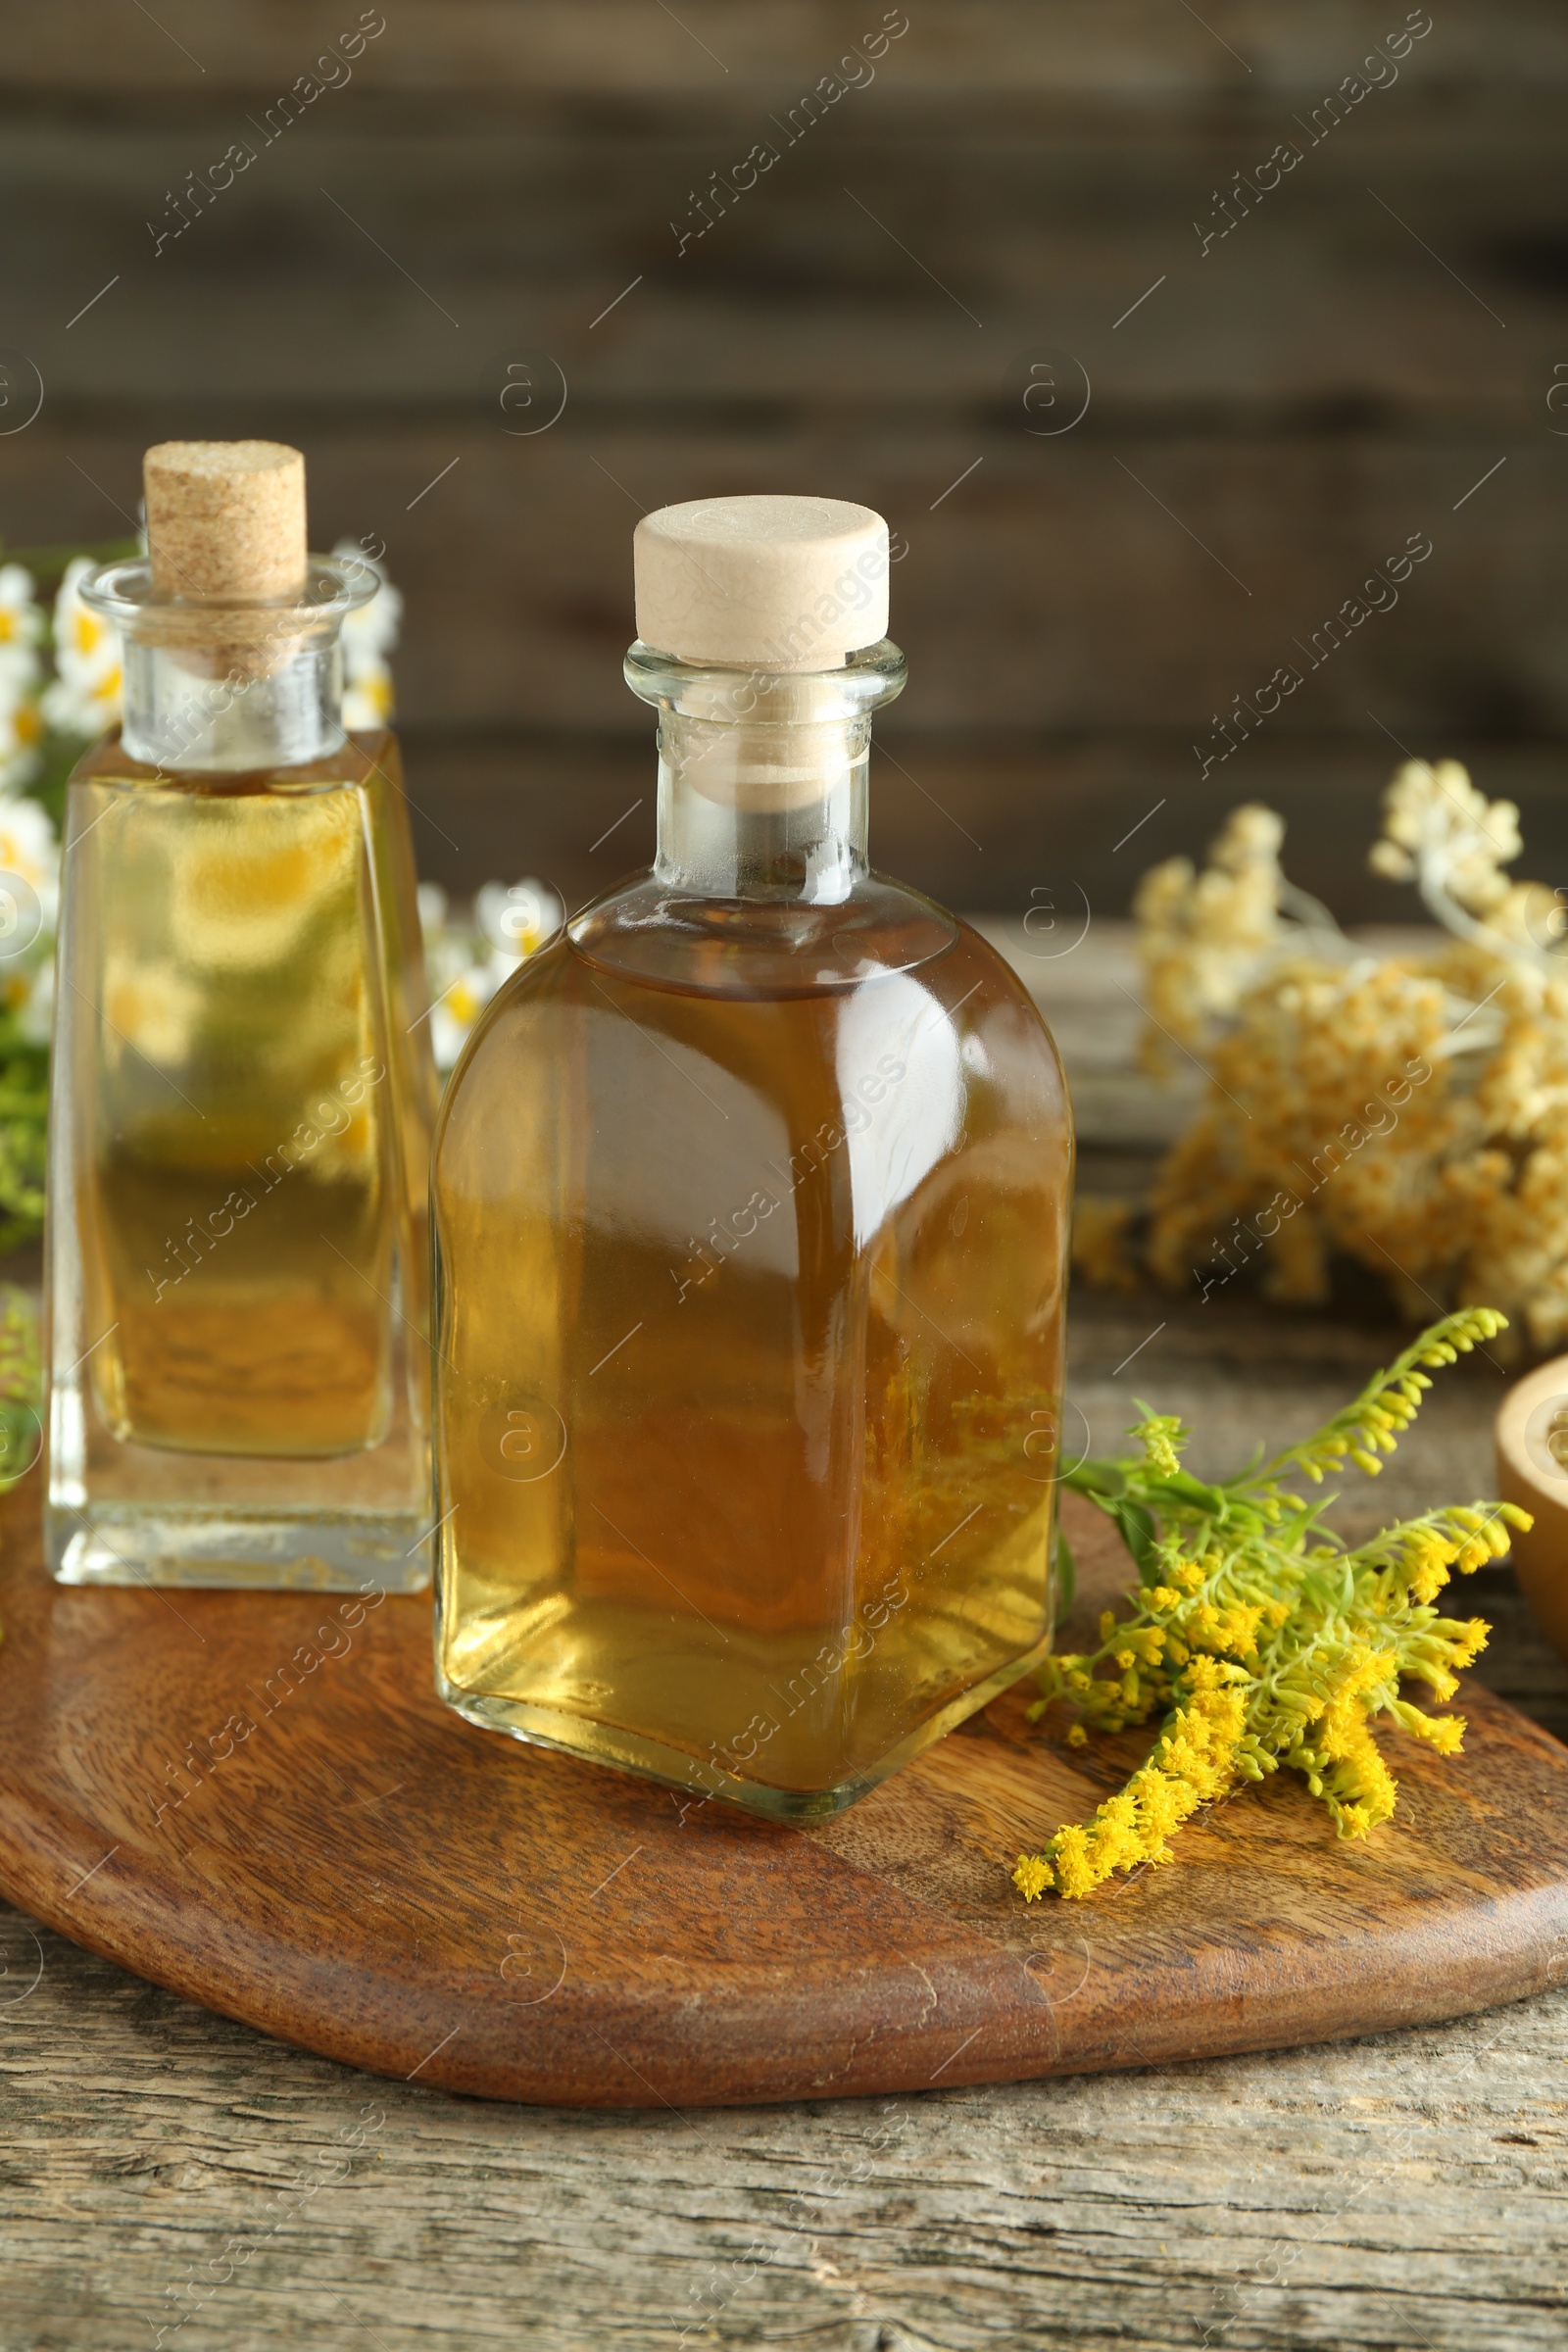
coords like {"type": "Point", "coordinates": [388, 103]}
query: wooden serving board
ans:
{"type": "Point", "coordinates": [368, 1876]}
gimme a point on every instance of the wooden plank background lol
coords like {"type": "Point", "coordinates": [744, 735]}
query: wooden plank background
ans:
{"type": "Point", "coordinates": [1275, 417]}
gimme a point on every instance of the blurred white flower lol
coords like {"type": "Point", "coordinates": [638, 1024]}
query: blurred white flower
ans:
{"type": "Point", "coordinates": [468, 961]}
{"type": "Point", "coordinates": [29, 905]}
{"type": "Point", "coordinates": [450, 1021]}
{"type": "Point", "coordinates": [84, 697]}
{"type": "Point", "coordinates": [369, 636]}
{"type": "Point", "coordinates": [21, 726]}
{"type": "Point", "coordinates": [30, 848]}
{"type": "Point", "coordinates": [518, 917]}
{"type": "Point", "coordinates": [20, 621]}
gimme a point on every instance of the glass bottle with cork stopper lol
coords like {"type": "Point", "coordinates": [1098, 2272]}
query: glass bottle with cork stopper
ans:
{"type": "Point", "coordinates": [242, 1084]}
{"type": "Point", "coordinates": [749, 1204]}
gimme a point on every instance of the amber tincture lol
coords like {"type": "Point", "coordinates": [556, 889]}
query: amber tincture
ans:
{"type": "Point", "coordinates": [243, 1090]}
{"type": "Point", "coordinates": [749, 1204]}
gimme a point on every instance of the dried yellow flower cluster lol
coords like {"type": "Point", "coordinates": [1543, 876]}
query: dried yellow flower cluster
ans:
{"type": "Point", "coordinates": [1409, 1111]}
{"type": "Point", "coordinates": [1257, 1638]}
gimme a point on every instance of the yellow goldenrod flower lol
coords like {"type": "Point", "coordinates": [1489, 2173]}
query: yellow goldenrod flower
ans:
{"type": "Point", "coordinates": [1031, 1877]}
{"type": "Point", "coordinates": [1161, 1434]}
{"type": "Point", "coordinates": [1265, 1643]}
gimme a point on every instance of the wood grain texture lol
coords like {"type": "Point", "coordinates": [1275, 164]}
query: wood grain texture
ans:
{"type": "Point", "coordinates": [165, 2167]}
{"type": "Point", "coordinates": [360, 1871]}
{"type": "Point", "coordinates": [1129, 624]}
{"type": "Point", "coordinates": [1403, 2194]}
{"type": "Point", "coordinates": [980, 820]}
{"type": "Point", "coordinates": [1131, 50]}
{"type": "Point", "coordinates": [1275, 416]}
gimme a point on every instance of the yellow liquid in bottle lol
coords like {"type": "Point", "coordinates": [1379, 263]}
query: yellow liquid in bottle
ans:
{"type": "Point", "coordinates": [246, 1106]}
{"type": "Point", "coordinates": [749, 1363]}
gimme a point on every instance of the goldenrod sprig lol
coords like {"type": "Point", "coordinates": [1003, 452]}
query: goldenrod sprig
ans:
{"type": "Point", "coordinates": [1256, 1637]}
{"type": "Point", "coordinates": [1387, 1406]}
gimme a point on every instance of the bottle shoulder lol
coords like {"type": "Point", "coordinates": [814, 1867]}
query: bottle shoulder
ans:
{"type": "Point", "coordinates": [734, 952]}
{"type": "Point", "coordinates": [964, 991]}
{"type": "Point", "coordinates": [583, 1065]}
{"type": "Point", "coordinates": [745, 951]}
{"type": "Point", "coordinates": [648, 932]}
{"type": "Point", "coordinates": [360, 759]}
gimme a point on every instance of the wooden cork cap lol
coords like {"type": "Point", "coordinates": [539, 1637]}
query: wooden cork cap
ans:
{"type": "Point", "coordinates": [226, 518]}
{"type": "Point", "coordinates": [761, 583]}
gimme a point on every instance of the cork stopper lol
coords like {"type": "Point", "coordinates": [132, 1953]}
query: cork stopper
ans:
{"type": "Point", "coordinates": [773, 583]}
{"type": "Point", "coordinates": [225, 519]}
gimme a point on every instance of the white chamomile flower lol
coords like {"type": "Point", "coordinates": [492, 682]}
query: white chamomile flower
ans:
{"type": "Point", "coordinates": [468, 961]}
{"type": "Point", "coordinates": [453, 1017]}
{"type": "Point", "coordinates": [84, 697]}
{"type": "Point", "coordinates": [30, 855]}
{"type": "Point", "coordinates": [20, 621]}
{"type": "Point", "coordinates": [369, 635]}
{"type": "Point", "coordinates": [368, 703]}
{"type": "Point", "coordinates": [519, 918]}
{"type": "Point", "coordinates": [30, 903]}
{"type": "Point", "coordinates": [21, 724]}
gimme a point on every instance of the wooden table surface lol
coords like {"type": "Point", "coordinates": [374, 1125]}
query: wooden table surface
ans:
{"type": "Point", "coordinates": [162, 2169]}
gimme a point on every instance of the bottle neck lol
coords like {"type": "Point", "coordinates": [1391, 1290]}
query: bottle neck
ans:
{"type": "Point", "coordinates": [762, 777]}
{"type": "Point", "coordinates": [228, 688]}
{"type": "Point", "coordinates": [753, 811]}
{"type": "Point", "coordinates": [182, 711]}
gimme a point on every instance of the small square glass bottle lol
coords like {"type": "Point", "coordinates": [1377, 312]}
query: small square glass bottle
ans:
{"type": "Point", "coordinates": [749, 1206]}
{"type": "Point", "coordinates": [242, 1090]}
